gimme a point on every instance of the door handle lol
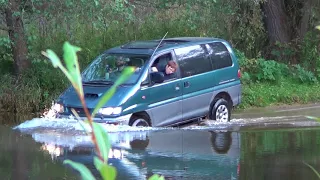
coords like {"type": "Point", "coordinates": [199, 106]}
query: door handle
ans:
{"type": "Point", "coordinates": [177, 87]}
{"type": "Point", "coordinates": [186, 84]}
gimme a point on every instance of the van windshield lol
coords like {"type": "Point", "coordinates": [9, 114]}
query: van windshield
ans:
{"type": "Point", "coordinates": [107, 68]}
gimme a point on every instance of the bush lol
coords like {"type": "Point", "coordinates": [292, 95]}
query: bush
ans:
{"type": "Point", "coordinates": [310, 55]}
{"type": "Point", "coordinates": [261, 70]}
{"type": "Point", "coordinates": [302, 75]}
{"type": "Point", "coordinates": [270, 71]}
{"type": "Point", "coordinates": [33, 91]}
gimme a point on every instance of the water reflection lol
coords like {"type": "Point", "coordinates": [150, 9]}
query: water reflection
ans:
{"type": "Point", "coordinates": [279, 154]}
{"type": "Point", "coordinates": [221, 141]}
{"type": "Point", "coordinates": [21, 158]}
{"type": "Point", "coordinates": [176, 154]}
{"type": "Point", "coordinates": [209, 152]}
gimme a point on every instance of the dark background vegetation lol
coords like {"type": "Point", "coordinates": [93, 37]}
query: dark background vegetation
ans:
{"type": "Point", "coordinates": [276, 42]}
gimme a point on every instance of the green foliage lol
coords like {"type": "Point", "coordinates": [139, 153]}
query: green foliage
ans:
{"type": "Point", "coordinates": [257, 70]}
{"type": "Point", "coordinates": [284, 53]}
{"type": "Point", "coordinates": [156, 177]}
{"type": "Point", "coordinates": [33, 91]}
{"type": "Point", "coordinates": [314, 118]}
{"type": "Point", "coordinates": [310, 54]}
{"type": "Point", "coordinates": [103, 141]}
{"type": "Point", "coordinates": [72, 72]}
{"type": "Point", "coordinates": [3, 3]}
{"type": "Point", "coordinates": [261, 70]}
{"type": "Point", "coordinates": [270, 70]}
{"type": "Point", "coordinates": [99, 25]}
{"type": "Point", "coordinates": [107, 171]}
{"type": "Point", "coordinates": [5, 49]}
{"type": "Point", "coordinates": [82, 169]}
{"type": "Point", "coordinates": [303, 75]}
{"type": "Point", "coordinates": [99, 135]}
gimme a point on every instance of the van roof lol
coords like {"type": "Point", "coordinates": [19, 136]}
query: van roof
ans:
{"type": "Point", "coordinates": [148, 46]}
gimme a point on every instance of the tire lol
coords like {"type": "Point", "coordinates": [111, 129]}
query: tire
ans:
{"type": "Point", "coordinates": [140, 121]}
{"type": "Point", "coordinates": [220, 111]}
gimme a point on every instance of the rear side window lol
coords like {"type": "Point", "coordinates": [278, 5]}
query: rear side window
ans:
{"type": "Point", "coordinates": [219, 55]}
{"type": "Point", "coordinates": [193, 60]}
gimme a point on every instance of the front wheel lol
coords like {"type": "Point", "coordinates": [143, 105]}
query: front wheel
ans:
{"type": "Point", "coordinates": [140, 121]}
{"type": "Point", "coordinates": [221, 111]}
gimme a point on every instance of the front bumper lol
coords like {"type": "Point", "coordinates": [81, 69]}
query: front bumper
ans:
{"type": "Point", "coordinates": [121, 120]}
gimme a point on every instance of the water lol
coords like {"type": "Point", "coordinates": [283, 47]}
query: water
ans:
{"type": "Point", "coordinates": [251, 146]}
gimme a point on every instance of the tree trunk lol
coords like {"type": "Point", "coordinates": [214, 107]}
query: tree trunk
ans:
{"type": "Point", "coordinates": [306, 15]}
{"type": "Point", "coordinates": [17, 36]}
{"type": "Point", "coordinates": [276, 21]}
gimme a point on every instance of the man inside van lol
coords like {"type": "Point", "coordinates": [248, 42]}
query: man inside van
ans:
{"type": "Point", "coordinates": [168, 71]}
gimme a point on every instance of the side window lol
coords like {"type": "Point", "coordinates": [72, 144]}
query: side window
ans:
{"type": "Point", "coordinates": [219, 55]}
{"type": "Point", "coordinates": [166, 66]}
{"type": "Point", "coordinates": [193, 60]}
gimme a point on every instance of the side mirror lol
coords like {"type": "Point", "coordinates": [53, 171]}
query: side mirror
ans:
{"type": "Point", "coordinates": [157, 77]}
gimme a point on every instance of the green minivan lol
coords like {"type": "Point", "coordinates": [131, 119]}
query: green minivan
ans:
{"type": "Point", "coordinates": [176, 80]}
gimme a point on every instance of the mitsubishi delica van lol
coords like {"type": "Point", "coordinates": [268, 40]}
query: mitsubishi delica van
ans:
{"type": "Point", "coordinates": [176, 80]}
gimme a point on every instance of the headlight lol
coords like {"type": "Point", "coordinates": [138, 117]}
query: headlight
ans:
{"type": "Point", "coordinates": [58, 108]}
{"type": "Point", "coordinates": [110, 110]}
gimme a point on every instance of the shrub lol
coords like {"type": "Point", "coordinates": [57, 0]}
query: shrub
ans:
{"type": "Point", "coordinates": [302, 75]}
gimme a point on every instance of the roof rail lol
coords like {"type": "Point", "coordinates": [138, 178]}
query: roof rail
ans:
{"type": "Point", "coordinates": [151, 44]}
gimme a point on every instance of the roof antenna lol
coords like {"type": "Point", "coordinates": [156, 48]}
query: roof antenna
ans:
{"type": "Point", "coordinates": [158, 45]}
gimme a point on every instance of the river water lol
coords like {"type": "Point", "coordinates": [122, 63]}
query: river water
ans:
{"type": "Point", "coordinates": [261, 144]}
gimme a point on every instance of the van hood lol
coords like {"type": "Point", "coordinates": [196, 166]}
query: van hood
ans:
{"type": "Point", "coordinates": [92, 95]}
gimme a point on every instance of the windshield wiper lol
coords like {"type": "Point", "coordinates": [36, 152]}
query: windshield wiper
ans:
{"type": "Point", "coordinates": [105, 82]}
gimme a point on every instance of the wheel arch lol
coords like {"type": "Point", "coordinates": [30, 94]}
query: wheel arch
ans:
{"type": "Point", "coordinates": [220, 95]}
{"type": "Point", "coordinates": [140, 114]}
{"type": "Point", "coordinates": [224, 95]}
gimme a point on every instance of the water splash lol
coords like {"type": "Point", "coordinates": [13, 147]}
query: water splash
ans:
{"type": "Point", "coordinates": [71, 133]}
{"type": "Point", "coordinates": [49, 112]}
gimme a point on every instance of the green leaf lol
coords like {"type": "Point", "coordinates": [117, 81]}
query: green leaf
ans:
{"type": "Point", "coordinates": [54, 58]}
{"type": "Point", "coordinates": [102, 140]}
{"type": "Point", "coordinates": [96, 2]}
{"type": "Point", "coordinates": [156, 177]}
{"type": "Point", "coordinates": [105, 98]}
{"type": "Point", "coordinates": [56, 62]}
{"type": "Point", "coordinates": [107, 172]}
{"type": "Point", "coordinates": [318, 27]}
{"type": "Point", "coordinates": [71, 60]}
{"type": "Point", "coordinates": [82, 169]}
{"type": "Point", "coordinates": [126, 73]}
{"type": "Point", "coordinates": [314, 118]}
{"type": "Point", "coordinates": [315, 171]}
{"type": "Point", "coordinates": [97, 162]}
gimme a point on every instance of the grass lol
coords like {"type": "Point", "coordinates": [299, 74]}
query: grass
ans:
{"type": "Point", "coordinates": [286, 92]}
